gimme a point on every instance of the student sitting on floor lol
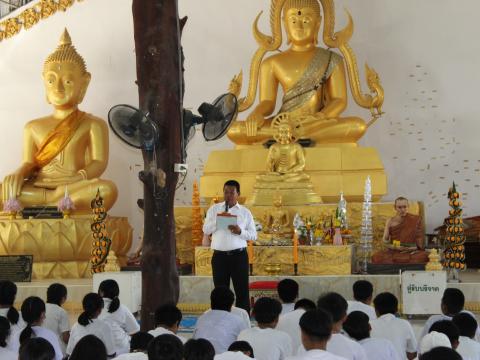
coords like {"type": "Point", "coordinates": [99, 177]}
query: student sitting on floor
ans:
{"type": "Point", "coordinates": [287, 290]}
{"type": "Point", "coordinates": [448, 328]}
{"type": "Point", "coordinates": [165, 347]}
{"type": "Point", "coordinates": [56, 318]}
{"type": "Point", "coordinates": [362, 293]}
{"type": "Point", "coordinates": [36, 349]}
{"type": "Point", "coordinates": [219, 326]}
{"type": "Point", "coordinates": [5, 354]}
{"type": "Point", "coordinates": [388, 326]}
{"type": "Point", "coordinates": [358, 328]}
{"type": "Point", "coordinates": [138, 347]}
{"type": "Point", "coordinates": [239, 350]}
{"type": "Point", "coordinates": [467, 347]}
{"type": "Point", "coordinates": [432, 340]}
{"type": "Point", "coordinates": [8, 293]}
{"type": "Point", "coordinates": [267, 342]}
{"type": "Point", "coordinates": [117, 316]}
{"type": "Point", "coordinates": [167, 321]}
{"type": "Point", "coordinates": [88, 348]}
{"type": "Point", "coordinates": [441, 353]}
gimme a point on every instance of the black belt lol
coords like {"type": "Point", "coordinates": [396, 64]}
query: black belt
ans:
{"type": "Point", "coordinates": [230, 252]}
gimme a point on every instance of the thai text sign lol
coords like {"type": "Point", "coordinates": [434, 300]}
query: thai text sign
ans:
{"type": "Point", "coordinates": [422, 291]}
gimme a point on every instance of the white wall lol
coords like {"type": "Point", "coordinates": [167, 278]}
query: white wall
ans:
{"type": "Point", "coordinates": [426, 53]}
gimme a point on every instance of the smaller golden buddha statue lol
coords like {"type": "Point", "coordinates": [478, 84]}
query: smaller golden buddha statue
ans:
{"type": "Point", "coordinates": [277, 229]}
{"type": "Point", "coordinates": [67, 148]}
{"type": "Point", "coordinates": [285, 168]}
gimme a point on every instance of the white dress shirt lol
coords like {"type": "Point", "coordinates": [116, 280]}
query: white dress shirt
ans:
{"type": "Point", "coordinates": [434, 318]}
{"type": "Point", "coordinates": [267, 344]}
{"type": "Point", "coordinates": [56, 319]}
{"type": "Point", "coordinates": [41, 332]}
{"type": "Point", "coordinates": [287, 307]}
{"type": "Point", "coordinates": [241, 313]}
{"type": "Point", "coordinates": [379, 349]}
{"type": "Point", "coordinates": [354, 305]}
{"type": "Point", "coordinates": [468, 348]}
{"type": "Point", "coordinates": [289, 323]}
{"type": "Point", "coordinates": [162, 331]}
{"type": "Point", "coordinates": [219, 327]}
{"type": "Point", "coordinates": [398, 331]}
{"type": "Point", "coordinates": [225, 240]}
{"type": "Point", "coordinates": [97, 327]}
{"type": "Point", "coordinates": [122, 323]}
{"type": "Point", "coordinates": [317, 354]}
{"type": "Point", "coordinates": [342, 346]}
{"type": "Point", "coordinates": [132, 356]}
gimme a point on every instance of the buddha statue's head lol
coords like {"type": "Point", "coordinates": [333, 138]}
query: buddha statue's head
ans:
{"type": "Point", "coordinates": [302, 21]}
{"type": "Point", "coordinates": [65, 75]}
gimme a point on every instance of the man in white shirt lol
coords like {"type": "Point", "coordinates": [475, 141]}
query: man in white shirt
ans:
{"type": "Point", "coordinates": [362, 293]}
{"type": "Point", "coordinates": [316, 330]}
{"type": "Point", "coordinates": [267, 342]}
{"type": "Point", "coordinates": [336, 305]}
{"type": "Point", "coordinates": [230, 258]}
{"type": "Point", "coordinates": [287, 290]}
{"type": "Point", "coordinates": [388, 326]}
{"type": "Point", "coordinates": [138, 347]}
{"type": "Point", "coordinates": [290, 322]}
{"type": "Point", "coordinates": [358, 328]}
{"type": "Point", "coordinates": [167, 321]}
{"type": "Point", "coordinates": [467, 347]}
{"type": "Point", "coordinates": [219, 326]}
{"type": "Point", "coordinates": [452, 304]}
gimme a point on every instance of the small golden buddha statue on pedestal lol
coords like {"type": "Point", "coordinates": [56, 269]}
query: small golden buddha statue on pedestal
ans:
{"type": "Point", "coordinates": [69, 147]}
{"type": "Point", "coordinates": [285, 166]}
{"type": "Point", "coordinates": [277, 229]}
{"type": "Point", "coordinates": [313, 79]}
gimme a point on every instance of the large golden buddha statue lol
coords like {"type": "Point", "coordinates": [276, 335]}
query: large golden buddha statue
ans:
{"type": "Point", "coordinates": [313, 79]}
{"type": "Point", "coordinates": [68, 148]}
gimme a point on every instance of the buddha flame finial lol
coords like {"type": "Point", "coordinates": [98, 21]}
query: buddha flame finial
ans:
{"type": "Point", "coordinates": [66, 52]}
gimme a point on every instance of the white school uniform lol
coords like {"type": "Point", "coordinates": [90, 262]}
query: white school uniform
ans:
{"type": "Point", "coordinates": [398, 331]}
{"type": "Point", "coordinates": [354, 305]}
{"type": "Point", "coordinates": [232, 355]}
{"type": "Point", "coordinates": [268, 344]}
{"type": "Point", "coordinates": [6, 354]}
{"type": "Point", "coordinates": [289, 323]}
{"type": "Point", "coordinates": [56, 319]}
{"type": "Point", "coordinates": [219, 327]}
{"type": "Point", "coordinates": [96, 327]}
{"type": "Point", "coordinates": [468, 348]}
{"type": "Point", "coordinates": [379, 349]}
{"type": "Point", "coordinates": [434, 318]}
{"type": "Point", "coordinates": [41, 332]}
{"type": "Point", "coordinates": [122, 323]}
{"type": "Point", "coordinates": [241, 313]}
{"type": "Point", "coordinates": [132, 356]}
{"type": "Point", "coordinates": [317, 354]}
{"type": "Point", "coordinates": [162, 331]}
{"type": "Point", "coordinates": [20, 325]}
{"type": "Point", "coordinates": [287, 307]}
{"type": "Point", "coordinates": [341, 345]}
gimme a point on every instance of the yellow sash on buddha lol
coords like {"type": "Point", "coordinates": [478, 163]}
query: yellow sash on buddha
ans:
{"type": "Point", "coordinates": [58, 138]}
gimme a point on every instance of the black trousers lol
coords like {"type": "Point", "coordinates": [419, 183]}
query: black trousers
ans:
{"type": "Point", "coordinates": [226, 266]}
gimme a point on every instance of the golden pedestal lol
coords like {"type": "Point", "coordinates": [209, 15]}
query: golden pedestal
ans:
{"type": "Point", "coordinates": [333, 168]}
{"type": "Point", "coordinates": [298, 193]}
{"type": "Point", "coordinates": [312, 260]}
{"type": "Point", "coordinates": [61, 248]}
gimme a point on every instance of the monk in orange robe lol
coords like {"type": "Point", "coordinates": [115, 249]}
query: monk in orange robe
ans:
{"type": "Point", "coordinates": [404, 236]}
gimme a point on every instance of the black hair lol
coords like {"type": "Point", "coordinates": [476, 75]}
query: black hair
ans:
{"type": "Point", "coordinates": [385, 303]}
{"type": "Point", "coordinates": [453, 300]}
{"type": "Point", "coordinates": [317, 324]}
{"type": "Point", "coordinates": [199, 349]}
{"type": "Point", "coordinates": [466, 323]}
{"type": "Point", "coordinates": [266, 310]}
{"type": "Point", "coordinates": [448, 328]}
{"type": "Point", "coordinates": [357, 325]}
{"type": "Point", "coordinates": [4, 331]}
{"type": "Point", "coordinates": [140, 341]}
{"type": "Point", "coordinates": [287, 290]}
{"type": "Point", "coordinates": [165, 347]}
{"type": "Point", "coordinates": [234, 183]}
{"type": "Point", "coordinates": [36, 348]}
{"type": "Point", "coordinates": [56, 293]}
{"type": "Point", "coordinates": [441, 353]}
{"type": "Point", "coordinates": [242, 346]}
{"type": "Point", "coordinates": [32, 309]}
{"type": "Point", "coordinates": [362, 290]}
{"type": "Point", "coordinates": [305, 304]}
{"type": "Point", "coordinates": [109, 289]}
{"type": "Point", "coordinates": [168, 315]}
{"type": "Point", "coordinates": [8, 292]}
{"type": "Point", "coordinates": [89, 347]}
{"type": "Point", "coordinates": [221, 298]}
{"type": "Point", "coordinates": [335, 304]}
{"type": "Point", "coordinates": [92, 302]}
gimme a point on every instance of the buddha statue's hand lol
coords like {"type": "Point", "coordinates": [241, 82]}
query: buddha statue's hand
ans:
{"type": "Point", "coordinates": [253, 123]}
{"type": "Point", "coordinates": [12, 185]}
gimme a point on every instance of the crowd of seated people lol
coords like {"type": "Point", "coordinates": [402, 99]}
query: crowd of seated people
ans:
{"type": "Point", "coordinates": [295, 329]}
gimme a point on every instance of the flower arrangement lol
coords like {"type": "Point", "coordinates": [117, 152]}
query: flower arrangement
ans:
{"type": "Point", "coordinates": [12, 205]}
